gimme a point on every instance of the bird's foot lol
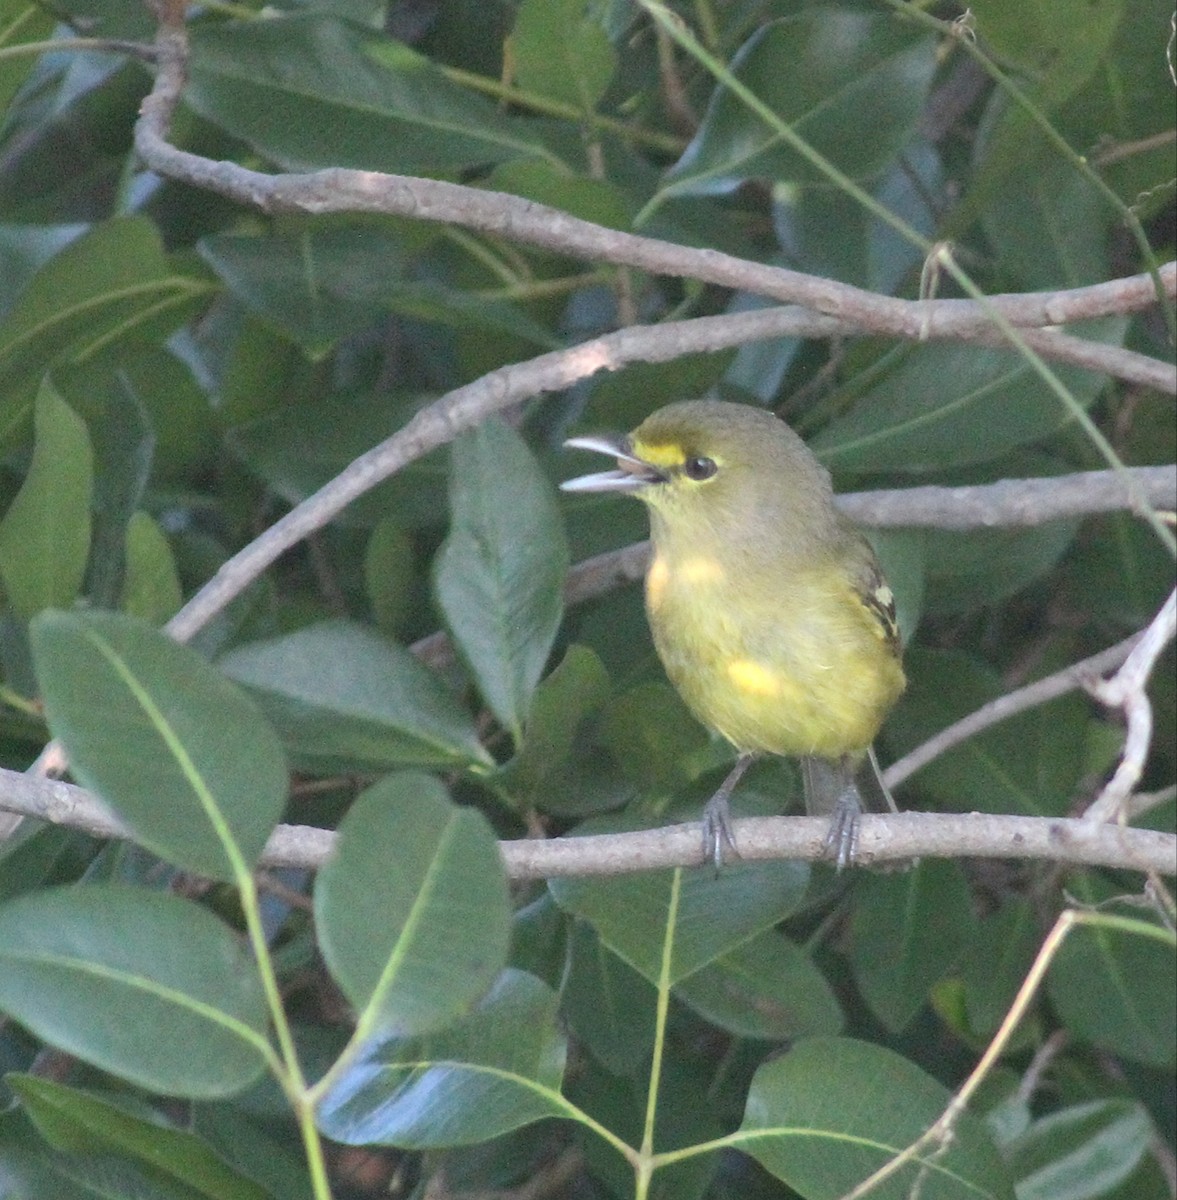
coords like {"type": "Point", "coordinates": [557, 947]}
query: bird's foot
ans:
{"type": "Point", "coordinates": [717, 829]}
{"type": "Point", "coordinates": [841, 840]}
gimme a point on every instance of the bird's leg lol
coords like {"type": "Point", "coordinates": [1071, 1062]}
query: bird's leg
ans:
{"type": "Point", "coordinates": [717, 814]}
{"type": "Point", "coordinates": [831, 788]}
{"type": "Point", "coordinates": [841, 842]}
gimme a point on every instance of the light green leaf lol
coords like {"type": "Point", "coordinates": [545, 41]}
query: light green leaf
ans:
{"type": "Point", "coordinates": [45, 534]}
{"type": "Point", "coordinates": [498, 1070]}
{"type": "Point", "coordinates": [176, 750]}
{"type": "Point", "coordinates": [411, 909]}
{"type": "Point", "coordinates": [145, 985]}
{"type": "Point", "coordinates": [562, 51]}
{"type": "Point", "coordinates": [78, 1122]}
{"type": "Point", "coordinates": [151, 586]}
{"type": "Point", "coordinates": [311, 91]}
{"type": "Point", "coordinates": [1082, 1152]}
{"type": "Point", "coordinates": [500, 573]}
{"type": "Point", "coordinates": [832, 1111]}
{"type": "Point", "coordinates": [20, 22]}
{"type": "Point", "coordinates": [851, 84]}
{"type": "Point", "coordinates": [346, 698]}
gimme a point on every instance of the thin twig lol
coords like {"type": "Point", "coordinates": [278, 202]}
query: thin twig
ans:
{"type": "Point", "coordinates": [1127, 689]}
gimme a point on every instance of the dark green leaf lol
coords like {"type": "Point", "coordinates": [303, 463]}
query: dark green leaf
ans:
{"type": "Point", "coordinates": [1028, 764]}
{"type": "Point", "coordinates": [1003, 947]}
{"type": "Point", "coordinates": [78, 1122]}
{"type": "Point", "coordinates": [849, 83]}
{"type": "Point", "coordinates": [411, 909]}
{"type": "Point", "coordinates": [909, 929]}
{"type": "Point", "coordinates": [310, 91]}
{"type": "Point", "coordinates": [698, 915]}
{"type": "Point", "coordinates": [500, 574]}
{"type": "Point", "coordinates": [832, 1111]}
{"type": "Point", "coordinates": [541, 775]}
{"type": "Point", "coordinates": [496, 1071]}
{"type": "Point", "coordinates": [145, 985]}
{"type": "Point", "coordinates": [176, 750]}
{"type": "Point", "coordinates": [346, 698]}
{"type": "Point", "coordinates": [766, 988]}
{"type": "Point", "coordinates": [105, 289]}
{"type": "Point", "coordinates": [607, 1004]}
{"type": "Point", "coordinates": [948, 405]}
{"type": "Point", "coordinates": [1119, 991]}
{"type": "Point", "coordinates": [45, 534]}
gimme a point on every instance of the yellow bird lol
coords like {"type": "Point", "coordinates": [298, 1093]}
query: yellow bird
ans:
{"type": "Point", "coordinates": [768, 608]}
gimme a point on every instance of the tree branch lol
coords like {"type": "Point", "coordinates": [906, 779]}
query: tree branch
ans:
{"type": "Point", "coordinates": [517, 219]}
{"type": "Point", "coordinates": [889, 838]}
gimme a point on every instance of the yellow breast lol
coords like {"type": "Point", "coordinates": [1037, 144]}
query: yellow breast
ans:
{"type": "Point", "coordinates": [798, 667]}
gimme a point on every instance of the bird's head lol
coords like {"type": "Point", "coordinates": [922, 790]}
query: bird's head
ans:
{"type": "Point", "coordinates": [705, 466]}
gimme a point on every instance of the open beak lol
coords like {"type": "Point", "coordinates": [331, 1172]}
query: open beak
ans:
{"type": "Point", "coordinates": [632, 473]}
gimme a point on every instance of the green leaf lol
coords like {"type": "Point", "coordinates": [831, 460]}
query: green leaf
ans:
{"type": "Point", "coordinates": [20, 22]}
{"type": "Point", "coordinates": [345, 698]}
{"type": "Point", "coordinates": [300, 445]}
{"type": "Point", "coordinates": [1004, 944]}
{"type": "Point", "coordinates": [909, 930]}
{"type": "Point", "coordinates": [947, 406]}
{"type": "Point", "coordinates": [1082, 1152]}
{"type": "Point", "coordinates": [767, 988]}
{"type": "Point", "coordinates": [851, 84]}
{"type": "Point", "coordinates": [609, 1007]}
{"type": "Point", "coordinates": [832, 1111]}
{"type": "Point", "coordinates": [500, 573]}
{"type": "Point", "coordinates": [543, 774]}
{"type": "Point", "coordinates": [151, 586]}
{"type": "Point", "coordinates": [713, 914]}
{"type": "Point", "coordinates": [45, 534]}
{"type": "Point", "coordinates": [78, 1122]}
{"type": "Point", "coordinates": [311, 91]}
{"type": "Point", "coordinates": [1118, 991]}
{"type": "Point", "coordinates": [389, 574]}
{"type": "Point", "coordinates": [1027, 764]}
{"type": "Point", "coordinates": [176, 750]}
{"type": "Point", "coordinates": [561, 51]}
{"type": "Point", "coordinates": [145, 985]}
{"type": "Point", "coordinates": [498, 1070]}
{"type": "Point", "coordinates": [411, 909]}
{"type": "Point", "coordinates": [966, 571]}
{"type": "Point", "coordinates": [105, 289]}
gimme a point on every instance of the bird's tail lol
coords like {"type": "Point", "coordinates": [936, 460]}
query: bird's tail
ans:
{"type": "Point", "coordinates": [842, 789]}
{"type": "Point", "coordinates": [830, 783]}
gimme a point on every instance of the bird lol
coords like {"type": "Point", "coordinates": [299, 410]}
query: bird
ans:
{"type": "Point", "coordinates": [768, 607]}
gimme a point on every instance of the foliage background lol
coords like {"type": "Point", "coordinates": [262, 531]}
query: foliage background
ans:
{"type": "Point", "coordinates": [176, 370]}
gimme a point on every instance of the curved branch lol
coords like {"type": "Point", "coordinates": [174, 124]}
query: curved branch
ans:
{"type": "Point", "coordinates": [889, 838]}
{"type": "Point", "coordinates": [502, 214]}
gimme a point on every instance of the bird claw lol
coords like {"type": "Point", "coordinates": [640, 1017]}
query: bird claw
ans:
{"type": "Point", "coordinates": [717, 829]}
{"type": "Point", "coordinates": [841, 840]}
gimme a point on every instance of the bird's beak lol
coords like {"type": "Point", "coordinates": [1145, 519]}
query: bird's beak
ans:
{"type": "Point", "coordinates": [632, 473]}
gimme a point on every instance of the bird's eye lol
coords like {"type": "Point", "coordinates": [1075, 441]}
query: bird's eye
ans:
{"type": "Point", "coordinates": [699, 467]}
